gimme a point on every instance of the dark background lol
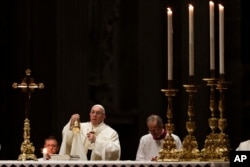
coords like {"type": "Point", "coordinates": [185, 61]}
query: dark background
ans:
{"type": "Point", "coordinates": [114, 52]}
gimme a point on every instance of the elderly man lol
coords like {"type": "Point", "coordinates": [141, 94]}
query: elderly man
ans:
{"type": "Point", "coordinates": [78, 138]}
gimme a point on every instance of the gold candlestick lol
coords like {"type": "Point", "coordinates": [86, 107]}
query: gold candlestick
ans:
{"type": "Point", "coordinates": [169, 151]}
{"type": "Point", "coordinates": [27, 86]}
{"type": "Point", "coordinates": [190, 151]}
{"type": "Point", "coordinates": [213, 121]}
{"type": "Point", "coordinates": [210, 150]}
{"type": "Point", "coordinates": [223, 139]}
{"type": "Point", "coordinates": [27, 148]}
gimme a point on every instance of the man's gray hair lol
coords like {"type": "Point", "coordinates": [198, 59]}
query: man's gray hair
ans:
{"type": "Point", "coordinates": [155, 118]}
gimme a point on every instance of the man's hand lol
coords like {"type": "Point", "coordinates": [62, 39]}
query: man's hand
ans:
{"type": "Point", "coordinates": [75, 118]}
{"type": "Point", "coordinates": [91, 136]}
{"type": "Point", "coordinates": [154, 158]}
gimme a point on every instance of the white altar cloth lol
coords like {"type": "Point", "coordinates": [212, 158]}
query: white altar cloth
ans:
{"type": "Point", "coordinates": [79, 163]}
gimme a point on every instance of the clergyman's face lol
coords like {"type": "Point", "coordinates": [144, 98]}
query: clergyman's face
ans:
{"type": "Point", "coordinates": [153, 129]}
{"type": "Point", "coordinates": [97, 115]}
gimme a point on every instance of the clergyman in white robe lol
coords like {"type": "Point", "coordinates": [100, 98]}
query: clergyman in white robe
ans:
{"type": "Point", "coordinates": [104, 141]}
{"type": "Point", "coordinates": [151, 143]}
{"type": "Point", "coordinates": [106, 146]}
{"type": "Point", "coordinates": [149, 147]}
{"type": "Point", "coordinates": [244, 146]}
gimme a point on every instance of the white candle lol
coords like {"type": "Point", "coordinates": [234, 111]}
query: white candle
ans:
{"type": "Point", "coordinates": [211, 19]}
{"type": "Point", "coordinates": [221, 38]}
{"type": "Point", "coordinates": [45, 151]}
{"type": "Point", "coordinates": [191, 40]}
{"type": "Point", "coordinates": [170, 45]}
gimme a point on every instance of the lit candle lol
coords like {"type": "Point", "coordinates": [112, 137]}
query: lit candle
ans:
{"type": "Point", "coordinates": [191, 40]}
{"type": "Point", "coordinates": [45, 151]}
{"type": "Point", "coordinates": [211, 19]}
{"type": "Point", "coordinates": [170, 45]}
{"type": "Point", "coordinates": [221, 38]}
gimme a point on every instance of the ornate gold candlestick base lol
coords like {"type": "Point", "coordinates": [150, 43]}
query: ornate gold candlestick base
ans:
{"type": "Point", "coordinates": [169, 151]}
{"type": "Point", "coordinates": [210, 152]}
{"type": "Point", "coordinates": [27, 148]}
{"type": "Point", "coordinates": [190, 151]}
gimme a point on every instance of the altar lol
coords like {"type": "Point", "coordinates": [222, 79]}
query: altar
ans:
{"type": "Point", "coordinates": [128, 163]}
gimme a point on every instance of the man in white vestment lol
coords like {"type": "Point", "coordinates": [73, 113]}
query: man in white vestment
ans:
{"type": "Point", "coordinates": [244, 146]}
{"type": "Point", "coordinates": [78, 138]}
{"type": "Point", "coordinates": [151, 144]}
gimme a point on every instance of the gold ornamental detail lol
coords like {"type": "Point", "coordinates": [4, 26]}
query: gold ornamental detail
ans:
{"type": "Point", "coordinates": [27, 86]}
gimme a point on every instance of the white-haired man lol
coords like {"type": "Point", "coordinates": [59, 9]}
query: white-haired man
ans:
{"type": "Point", "coordinates": [78, 138]}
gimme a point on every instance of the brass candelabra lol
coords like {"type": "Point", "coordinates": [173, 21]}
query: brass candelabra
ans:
{"type": "Point", "coordinates": [27, 86]}
{"type": "Point", "coordinates": [190, 151]}
{"type": "Point", "coordinates": [217, 145]}
{"type": "Point", "coordinates": [210, 150]}
{"type": "Point", "coordinates": [223, 139]}
{"type": "Point", "coordinates": [169, 151]}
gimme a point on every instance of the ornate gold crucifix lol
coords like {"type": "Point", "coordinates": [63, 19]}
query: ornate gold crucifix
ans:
{"type": "Point", "coordinates": [27, 86]}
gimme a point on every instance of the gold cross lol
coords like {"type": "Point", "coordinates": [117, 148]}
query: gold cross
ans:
{"type": "Point", "coordinates": [27, 85]}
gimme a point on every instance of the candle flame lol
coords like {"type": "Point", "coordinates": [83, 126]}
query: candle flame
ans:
{"type": "Point", "coordinates": [221, 6]}
{"type": "Point", "coordinates": [169, 10]}
{"type": "Point", "coordinates": [211, 3]}
{"type": "Point", "coordinates": [190, 7]}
